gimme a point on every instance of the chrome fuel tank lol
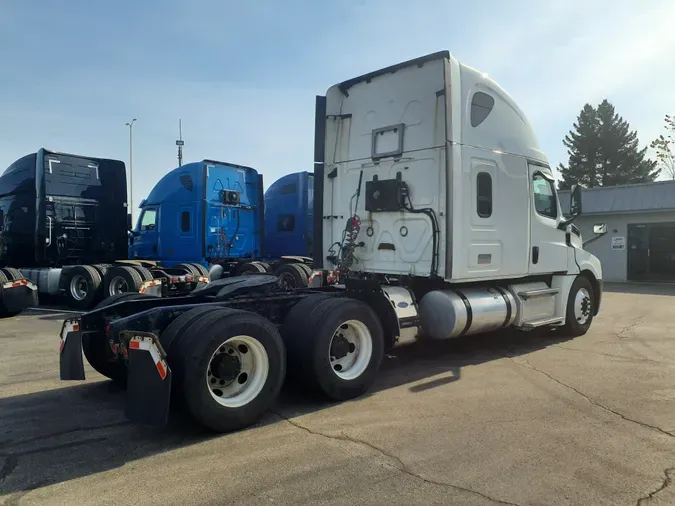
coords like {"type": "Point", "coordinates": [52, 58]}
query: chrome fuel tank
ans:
{"type": "Point", "coordinates": [445, 314]}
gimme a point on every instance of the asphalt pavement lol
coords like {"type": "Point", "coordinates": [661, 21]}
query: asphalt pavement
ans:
{"type": "Point", "coordinates": [509, 418]}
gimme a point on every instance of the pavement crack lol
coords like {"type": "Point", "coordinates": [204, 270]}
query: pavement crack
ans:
{"type": "Point", "coordinates": [667, 481]}
{"type": "Point", "coordinates": [400, 465]}
{"type": "Point", "coordinates": [612, 355]}
{"type": "Point", "coordinates": [592, 401]}
{"type": "Point", "coordinates": [627, 328]}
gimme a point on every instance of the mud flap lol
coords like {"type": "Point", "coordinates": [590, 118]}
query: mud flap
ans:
{"type": "Point", "coordinates": [17, 296]}
{"type": "Point", "coordinates": [71, 364]}
{"type": "Point", "coordinates": [148, 381]}
{"type": "Point", "coordinates": [153, 287]}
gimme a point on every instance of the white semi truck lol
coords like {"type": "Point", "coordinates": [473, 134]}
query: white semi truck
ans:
{"type": "Point", "coordinates": [436, 216]}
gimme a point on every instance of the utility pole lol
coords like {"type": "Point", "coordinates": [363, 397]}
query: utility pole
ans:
{"type": "Point", "coordinates": [180, 143]}
{"type": "Point", "coordinates": [131, 171]}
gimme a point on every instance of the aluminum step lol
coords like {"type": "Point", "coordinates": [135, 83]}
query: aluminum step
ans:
{"type": "Point", "coordinates": [544, 321]}
{"type": "Point", "coordinates": [538, 293]}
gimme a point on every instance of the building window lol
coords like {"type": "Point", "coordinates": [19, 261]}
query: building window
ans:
{"type": "Point", "coordinates": [185, 221]}
{"type": "Point", "coordinates": [484, 194]}
{"type": "Point", "coordinates": [149, 219]}
{"type": "Point", "coordinates": [286, 223]}
{"type": "Point", "coordinates": [289, 189]}
{"type": "Point", "coordinates": [481, 106]}
{"type": "Point", "coordinates": [545, 201]}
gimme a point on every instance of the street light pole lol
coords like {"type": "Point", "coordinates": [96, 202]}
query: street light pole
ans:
{"type": "Point", "coordinates": [131, 169]}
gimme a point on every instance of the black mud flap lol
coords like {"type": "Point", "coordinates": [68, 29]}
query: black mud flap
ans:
{"type": "Point", "coordinates": [18, 295]}
{"type": "Point", "coordinates": [71, 364]}
{"type": "Point", "coordinates": [148, 381]}
{"type": "Point", "coordinates": [153, 287]}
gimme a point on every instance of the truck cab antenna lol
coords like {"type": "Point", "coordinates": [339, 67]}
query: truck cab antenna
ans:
{"type": "Point", "coordinates": [180, 144]}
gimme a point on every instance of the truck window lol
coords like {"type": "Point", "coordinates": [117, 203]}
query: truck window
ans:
{"type": "Point", "coordinates": [185, 221]}
{"type": "Point", "coordinates": [286, 223]}
{"type": "Point", "coordinates": [149, 219]}
{"type": "Point", "coordinates": [544, 196]}
{"type": "Point", "coordinates": [484, 194]}
{"type": "Point", "coordinates": [481, 107]}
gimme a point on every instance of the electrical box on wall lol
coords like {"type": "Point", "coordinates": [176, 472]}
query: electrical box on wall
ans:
{"type": "Point", "coordinates": [386, 195]}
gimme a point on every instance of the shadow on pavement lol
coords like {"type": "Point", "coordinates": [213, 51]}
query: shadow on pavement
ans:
{"type": "Point", "coordinates": [58, 435]}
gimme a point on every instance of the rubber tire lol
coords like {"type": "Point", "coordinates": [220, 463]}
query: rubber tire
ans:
{"type": "Point", "coordinates": [203, 271]}
{"type": "Point", "coordinates": [130, 275]}
{"type": "Point", "coordinates": [250, 268]}
{"type": "Point", "coordinates": [266, 266]}
{"type": "Point", "coordinates": [96, 355]}
{"type": "Point", "coordinates": [196, 347]}
{"type": "Point", "coordinates": [572, 327]}
{"type": "Point", "coordinates": [93, 279]}
{"type": "Point", "coordinates": [12, 274]}
{"type": "Point", "coordinates": [145, 274]}
{"type": "Point", "coordinates": [102, 269]}
{"type": "Point", "coordinates": [307, 332]}
{"type": "Point", "coordinates": [189, 268]}
{"type": "Point", "coordinates": [299, 274]}
{"type": "Point", "coordinates": [307, 269]}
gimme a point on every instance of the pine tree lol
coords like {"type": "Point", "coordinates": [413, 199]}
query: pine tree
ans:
{"type": "Point", "coordinates": [582, 145]}
{"type": "Point", "coordinates": [603, 151]}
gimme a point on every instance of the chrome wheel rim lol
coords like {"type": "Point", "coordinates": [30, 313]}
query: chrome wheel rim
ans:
{"type": "Point", "coordinates": [79, 287]}
{"type": "Point", "coordinates": [582, 306]}
{"type": "Point", "coordinates": [286, 280]}
{"type": "Point", "coordinates": [351, 349]}
{"type": "Point", "coordinates": [237, 371]}
{"type": "Point", "coordinates": [118, 285]}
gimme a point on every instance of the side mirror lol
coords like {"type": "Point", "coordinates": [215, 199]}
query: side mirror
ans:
{"type": "Point", "coordinates": [575, 201]}
{"type": "Point", "coordinates": [599, 229]}
{"type": "Point", "coordinates": [129, 224]}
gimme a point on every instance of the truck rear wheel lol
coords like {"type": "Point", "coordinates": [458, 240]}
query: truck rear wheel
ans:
{"type": "Point", "coordinates": [250, 268]}
{"type": "Point", "coordinates": [580, 304]}
{"type": "Point", "coordinates": [292, 276]}
{"type": "Point", "coordinates": [233, 367]}
{"type": "Point", "coordinates": [188, 268]}
{"type": "Point", "coordinates": [95, 349]}
{"type": "Point", "coordinates": [203, 271]}
{"type": "Point", "coordinates": [12, 274]}
{"type": "Point", "coordinates": [121, 279]}
{"type": "Point", "coordinates": [336, 344]}
{"type": "Point", "coordinates": [145, 274]}
{"type": "Point", "coordinates": [83, 286]}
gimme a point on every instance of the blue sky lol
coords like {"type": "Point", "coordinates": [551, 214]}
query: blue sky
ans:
{"type": "Point", "coordinates": [243, 75]}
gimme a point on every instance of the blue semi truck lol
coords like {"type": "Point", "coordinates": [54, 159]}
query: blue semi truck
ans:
{"type": "Point", "coordinates": [65, 230]}
{"type": "Point", "coordinates": [214, 215]}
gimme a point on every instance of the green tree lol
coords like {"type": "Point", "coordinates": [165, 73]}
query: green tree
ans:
{"type": "Point", "coordinates": [665, 148]}
{"type": "Point", "coordinates": [604, 151]}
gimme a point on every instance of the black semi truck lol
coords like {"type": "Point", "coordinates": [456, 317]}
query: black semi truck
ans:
{"type": "Point", "coordinates": [64, 225]}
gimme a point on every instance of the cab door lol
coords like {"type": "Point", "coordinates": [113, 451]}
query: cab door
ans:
{"type": "Point", "coordinates": [145, 236]}
{"type": "Point", "coordinates": [548, 247]}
